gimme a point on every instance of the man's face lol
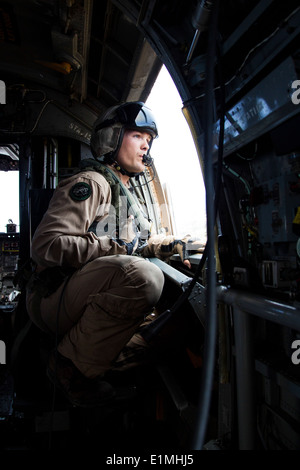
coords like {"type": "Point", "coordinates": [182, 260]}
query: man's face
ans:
{"type": "Point", "coordinates": [134, 146]}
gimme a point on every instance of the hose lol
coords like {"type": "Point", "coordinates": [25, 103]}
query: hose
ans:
{"type": "Point", "coordinates": [207, 375]}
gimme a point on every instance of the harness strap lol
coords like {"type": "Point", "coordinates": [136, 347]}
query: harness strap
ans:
{"type": "Point", "coordinates": [118, 189]}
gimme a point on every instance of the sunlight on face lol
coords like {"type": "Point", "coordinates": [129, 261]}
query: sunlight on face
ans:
{"type": "Point", "coordinates": [134, 146]}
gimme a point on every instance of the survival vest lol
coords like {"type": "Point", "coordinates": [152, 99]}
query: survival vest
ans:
{"type": "Point", "coordinates": [119, 194]}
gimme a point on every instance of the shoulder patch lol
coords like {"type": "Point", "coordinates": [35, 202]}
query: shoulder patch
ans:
{"type": "Point", "coordinates": [80, 191]}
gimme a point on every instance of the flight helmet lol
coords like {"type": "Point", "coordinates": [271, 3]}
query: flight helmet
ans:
{"type": "Point", "coordinates": [108, 131]}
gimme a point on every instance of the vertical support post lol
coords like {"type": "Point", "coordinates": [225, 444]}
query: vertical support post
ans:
{"type": "Point", "coordinates": [244, 378]}
{"type": "Point", "coordinates": [44, 185]}
{"type": "Point", "coordinates": [24, 186]}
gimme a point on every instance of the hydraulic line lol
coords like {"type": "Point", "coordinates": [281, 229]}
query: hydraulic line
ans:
{"type": "Point", "coordinates": [207, 375]}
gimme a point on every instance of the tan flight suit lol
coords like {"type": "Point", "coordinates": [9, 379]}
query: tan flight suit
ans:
{"type": "Point", "coordinates": [98, 309]}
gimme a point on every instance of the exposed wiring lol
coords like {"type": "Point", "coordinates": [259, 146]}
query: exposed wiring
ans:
{"type": "Point", "coordinates": [39, 116]}
{"type": "Point", "coordinates": [266, 39]}
{"type": "Point", "coordinates": [250, 158]}
{"type": "Point", "coordinates": [139, 185]}
{"type": "Point", "coordinates": [54, 103]}
{"type": "Point", "coordinates": [237, 176]}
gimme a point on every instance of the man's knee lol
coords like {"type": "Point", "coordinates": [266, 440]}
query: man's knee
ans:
{"type": "Point", "coordinates": [151, 282]}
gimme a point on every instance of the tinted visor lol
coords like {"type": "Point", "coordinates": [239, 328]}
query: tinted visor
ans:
{"type": "Point", "coordinates": [137, 115]}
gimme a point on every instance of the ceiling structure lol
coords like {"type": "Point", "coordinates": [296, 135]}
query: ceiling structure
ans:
{"type": "Point", "coordinates": [76, 51]}
{"type": "Point", "coordinates": [65, 61]}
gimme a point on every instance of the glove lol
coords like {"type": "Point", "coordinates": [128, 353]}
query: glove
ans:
{"type": "Point", "coordinates": [163, 247]}
{"type": "Point", "coordinates": [128, 236]}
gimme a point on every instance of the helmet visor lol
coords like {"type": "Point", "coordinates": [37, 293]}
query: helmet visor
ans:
{"type": "Point", "coordinates": [137, 116]}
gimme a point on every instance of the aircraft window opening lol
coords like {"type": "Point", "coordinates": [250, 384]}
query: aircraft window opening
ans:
{"type": "Point", "coordinates": [176, 161]}
{"type": "Point", "coordinates": [9, 194]}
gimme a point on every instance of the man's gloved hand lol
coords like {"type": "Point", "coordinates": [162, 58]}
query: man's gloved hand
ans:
{"type": "Point", "coordinates": [163, 247]}
{"type": "Point", "coordinates": [176, 246]}
{"type": "Point", "coordinates": [128, 236]}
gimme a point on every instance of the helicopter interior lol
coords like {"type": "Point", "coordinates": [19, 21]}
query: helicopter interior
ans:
{"type": "Point", "coordinates": [228, 330]}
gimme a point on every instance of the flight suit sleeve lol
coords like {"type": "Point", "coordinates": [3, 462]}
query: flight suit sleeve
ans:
{"type": "Point", "coordinates": [62, 237]}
